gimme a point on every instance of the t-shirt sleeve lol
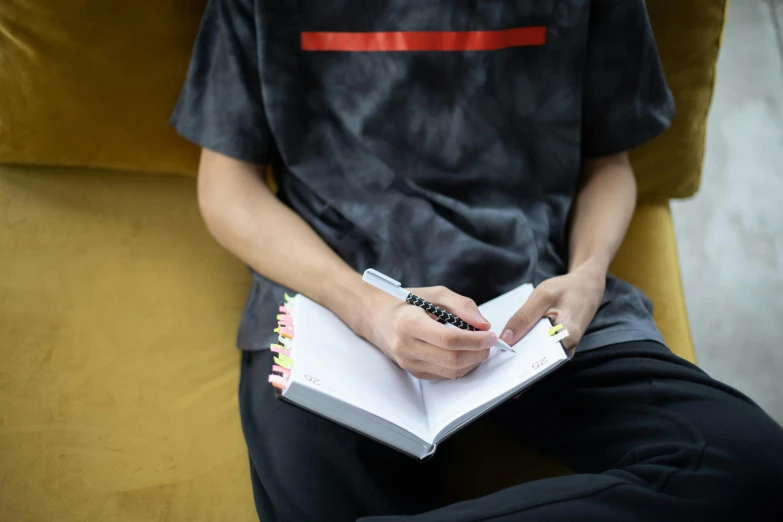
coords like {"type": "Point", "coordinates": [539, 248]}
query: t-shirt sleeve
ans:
{"type": "Point", "coordinates": [626, 100]}
{"type": "Point", "coordinates": [220, 106]}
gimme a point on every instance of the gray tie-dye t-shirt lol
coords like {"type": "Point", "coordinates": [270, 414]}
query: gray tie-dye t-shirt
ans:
{"type": "Point", "coordinates": [439, 141]}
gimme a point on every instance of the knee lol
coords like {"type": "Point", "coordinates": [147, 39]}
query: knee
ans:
{"type": "Point", "coordinates": [734, 473]}
{"type": "Point", "coordinates": [747, 483]}
{"type": "Point", "coordinates": [758, 486]}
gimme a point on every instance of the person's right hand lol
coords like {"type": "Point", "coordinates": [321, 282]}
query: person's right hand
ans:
{"type": "Point", "coordinates": [420, 344]}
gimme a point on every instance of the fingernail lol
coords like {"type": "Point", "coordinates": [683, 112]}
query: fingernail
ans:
{"type": "Point", "coordinates": [481, 318]}
{"type": "Point", "coordinates": [507, 336]}
{"type": "Point", "coordinates": [490, 341]}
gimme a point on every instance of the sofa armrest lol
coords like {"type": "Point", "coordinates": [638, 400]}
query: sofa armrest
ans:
{"type": "Point", "coordinates": [648, 260]}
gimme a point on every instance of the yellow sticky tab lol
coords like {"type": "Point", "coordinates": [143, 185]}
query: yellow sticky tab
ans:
{"type": "Point", "coordinates": [286, 297]}
{"type": "Point", "coordinates": [273, 346]}
{"type": "Point", "coordinates": [277, 330]}
{"type": "Point", "coordinates": [279, 316]}
{"type": "Point", "coordinates": [284, 361]}
{"type": "Point", "coordinates": [559, 337]}
{"type": "Point", "coordinates": [556, 328]}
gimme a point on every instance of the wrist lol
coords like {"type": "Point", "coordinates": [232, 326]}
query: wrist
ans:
{"type": "Point", "coordinates": [350, 299]}
{"type": "Point", "coordinates": [594, 267]}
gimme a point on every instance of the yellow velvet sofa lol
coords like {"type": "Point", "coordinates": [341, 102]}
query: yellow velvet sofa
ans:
{"type": "Point", "coordinates": [118, 372]}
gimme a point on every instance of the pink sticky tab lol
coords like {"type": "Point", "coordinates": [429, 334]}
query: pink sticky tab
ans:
{"type": "Point", "coordinates": [286, 320]}
{"type": "Point", "coordinates": [279, 369]}
{"type": "Point", "coordinates": [279, 349]}
{"type": "Point", "coordinates": [278, 382]}
{"type": "Point", "coordinates": [287, 332]}
{"type": "Point", "coordinates": [284, 310]}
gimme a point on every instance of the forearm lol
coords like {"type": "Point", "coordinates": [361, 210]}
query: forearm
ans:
{"type": "Point", "coordinates": [249, 221]}
{"type": "Point", "coordinates": [602, 212]}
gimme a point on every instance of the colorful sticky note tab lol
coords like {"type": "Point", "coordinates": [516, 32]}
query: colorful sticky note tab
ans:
{"type": "Point", "coordinates": [279, 349]}
{"type": "Point", "coordinates": [284, 361]}
{"type": "Point", "coordinates": [556, 328]}
{"type": "Point", "coordinates": [286, 331]}
{"type": "Point", "coordinates": [279, 369]}
{"type": "Point", "coordinates": [278, 382]}
{"type": "Point", "coordinates": [286, 297]}
{"type": "Point", "coordinates": [559, 337]}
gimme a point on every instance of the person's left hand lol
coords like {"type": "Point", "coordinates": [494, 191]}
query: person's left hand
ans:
{"type": "Point", "coordinates": [571, 300]}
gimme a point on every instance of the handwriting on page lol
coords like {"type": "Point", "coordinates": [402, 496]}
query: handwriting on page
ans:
{"type": "Point", "coordinates": [313, 380]}
{"type": "Point", "coordinates": [539, 364]}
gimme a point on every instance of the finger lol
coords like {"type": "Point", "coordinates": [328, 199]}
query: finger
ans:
{"type": "Point", "coordinates": [528, 315]}
{"type": "Point", "coordinates": [471, 368]}
{"type": "Point", "coordinates": [562, 315]}
{"type": "Point", "coordinates": [418, 350]}
{"type": "Point", "coordinates": [449, 338]}
{"type": "Point", "coordinates": [430, 371]}
{"type": "Point", "coordinates": [574, 335]}
{"type": "Point", "coordinates": [425, 370]}
{"type": "Point", "coordinates": [463, 307]}
{"type": "Point", "coordinates": [426, 376]}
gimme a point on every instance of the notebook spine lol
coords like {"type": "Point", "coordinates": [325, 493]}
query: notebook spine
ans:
{"type": "Point", "coordinates": [281, 370]}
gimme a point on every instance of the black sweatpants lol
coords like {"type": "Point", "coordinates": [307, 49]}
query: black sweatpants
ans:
{"type": "Point", "coordinates": [649, 436]}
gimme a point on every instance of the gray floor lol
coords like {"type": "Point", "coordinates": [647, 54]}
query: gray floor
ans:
{"type": "Point", "coordinates": [730, 235]}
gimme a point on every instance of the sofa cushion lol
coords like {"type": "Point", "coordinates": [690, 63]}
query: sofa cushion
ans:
{"type": "Point", "coordinates": [648, 259]}
{"type": "Point", "coordinates": [689, 36]}
{"type": "Point", "coordinates": [119, 376]}
{"type": "Point", "coordinates": [118, 381]}
{"type": "Point", "coordinates": [92, 83]}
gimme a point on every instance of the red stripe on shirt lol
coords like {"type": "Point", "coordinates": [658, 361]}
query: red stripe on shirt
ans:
{"type": "Point", "coordinates": [424, 40]}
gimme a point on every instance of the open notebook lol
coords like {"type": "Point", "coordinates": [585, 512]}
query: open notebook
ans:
{"type": "Point", "coordinates": [325, 368]}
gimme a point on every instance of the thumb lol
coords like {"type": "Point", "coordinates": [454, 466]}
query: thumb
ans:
{"type": "Point", "coordinates": [463, 307]}
{"type": "Point", "coordinates": [528, 315]}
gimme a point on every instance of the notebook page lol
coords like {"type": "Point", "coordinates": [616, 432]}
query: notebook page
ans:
{"type": "Point", "coordinates": [330, 358]}
{"type": "Point", "coordinates": [445, 400]}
